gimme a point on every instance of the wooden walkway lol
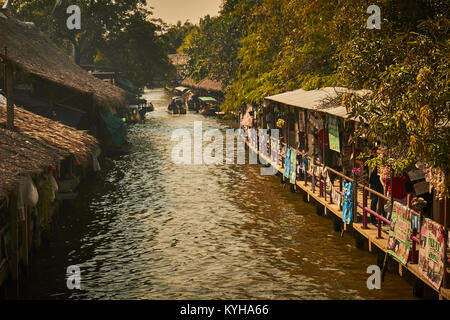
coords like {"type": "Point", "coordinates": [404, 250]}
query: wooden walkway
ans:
{"type": "Point", "coordinates": [371, 233]}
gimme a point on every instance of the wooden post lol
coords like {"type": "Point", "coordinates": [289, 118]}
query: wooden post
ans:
{"type": "Point", "coordinates": [286, 130]}
{"type": "Point", "coordinates": [379, 236]}
{"type": "Point", "coordinates": [321, 185]}
{"type": "Point", "coordinates": [25, 237]}
{"type": "Point", "coordinates": [380, 212]}
{"type": "Point", "coordinates": [353, 147]}
{"type": "Point", "coordinates": [306, 131]}
{"type": "Point", "coordinates": [446, 264]}
{"type": "Point", "coordinates": [9, 77]}
{"type": "Point", "coordinates": [355, 200]}
{"type": "Point", "coordinates": [364, 219]}
{"type": "Point", "coordinates": [331, 193]}
{"type": "Point", "coordinates": [323, 142]}
{"type": "Point", "coordinates": [392, 190]}
{"type": "Point", "coordinates": [14, 264]}
{"type": "Point", "coordinates": [412, 255]}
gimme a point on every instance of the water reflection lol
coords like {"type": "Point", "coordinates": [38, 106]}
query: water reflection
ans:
{"type": "Point", "coordinates": [149, 229]}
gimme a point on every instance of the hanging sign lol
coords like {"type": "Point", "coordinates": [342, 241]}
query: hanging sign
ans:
{"type": "Point", "coordinates": [431, 252]}
{"type": "Point", "coordinates": [398, 243]}
{"type": "Point", "coordinates": [333, 133]}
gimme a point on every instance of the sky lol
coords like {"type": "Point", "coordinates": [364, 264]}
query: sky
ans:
{"type": "Point", "coordinates": [170, 11]}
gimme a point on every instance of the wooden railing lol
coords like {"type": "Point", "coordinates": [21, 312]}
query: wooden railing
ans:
{"type": "Point", "coordinates": [367, 191]}
{"type": "Point", "coordinates": [321, 183]}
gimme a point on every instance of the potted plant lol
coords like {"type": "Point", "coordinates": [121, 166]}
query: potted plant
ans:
{"type": "Point", "coordinates": [418, 204]}
{"type": "Point", "coordinates": [281, 123]}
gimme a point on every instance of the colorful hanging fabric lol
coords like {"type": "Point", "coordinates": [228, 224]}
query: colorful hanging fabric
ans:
{"type": "Point", "coordinates": [415, 221]}
{"type": "Point", "coordinates": [263, 142]}
{"type": "Point", "coordinates": [293, 172]}
{"type": "Point", "coordinates": [305, 164]}
{"type": "Point", "coordinates": [299, 165]}
{"type": "Point", "coordinates": [287, 163]}
{"type": "Point", "coordinates": [335, 196]}
{"type": "Point", "coordinates": [347, 207]}
{"type": "Point", "coordinates": [274, 150]}
{"type": "Point", "coordinates": [329, 184]}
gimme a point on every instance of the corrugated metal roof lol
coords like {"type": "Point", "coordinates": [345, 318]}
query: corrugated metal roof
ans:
{"type": "Point", "coordinates": [314, 99]}
{"type": "Point", "coordinates": [340, 112]}
{"type": "Point", "coordinates": [300, 98]}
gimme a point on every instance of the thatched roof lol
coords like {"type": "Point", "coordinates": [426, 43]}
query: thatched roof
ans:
{"type": "Point", "coordinates": [34, 53]}
{"type": "Point", "coordinates": [205, 84]}
{"type": "Point", "coordinates": [21, 156]}
{"type": "Point", "coordinates": [62, 139]}
{"type": "Point", "coordinates": [38, 143]}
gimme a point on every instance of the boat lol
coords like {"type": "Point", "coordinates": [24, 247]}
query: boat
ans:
{"type": "Point", "coordinates": [176, 106]}
{"type": "Point", "coordinates": [208, 106]}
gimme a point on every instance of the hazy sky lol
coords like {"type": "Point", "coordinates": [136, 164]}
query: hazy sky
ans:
{"type": "Point", "coordinates": [173, 10]}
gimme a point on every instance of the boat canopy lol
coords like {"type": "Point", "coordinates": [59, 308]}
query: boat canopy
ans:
{"type": "Point", "coordinates": [207, 99]}
{"type": "Point", "coordinates": [181, 89]}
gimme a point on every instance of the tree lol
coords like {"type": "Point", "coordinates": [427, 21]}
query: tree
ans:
{"type": "Point", "coordinates": [213, 45]}
{"type": "Point", "coordinates": [287, 46]}
{"type": "Point", "coordinates": [117, 34]}
{"type": "Point", "coordinates": [98, 20]}
{"type": "Point", "coordinates": [174, 35]}
{"type": "Point", "coordinates": [406, 65]}
{"type": "Point", "coordinates": [138, 50]}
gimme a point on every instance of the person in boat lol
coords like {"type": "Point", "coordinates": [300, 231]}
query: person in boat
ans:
{"type": "Point", "coordinates": [195, 101]}
{"type": "Point", "coordinates": [150, 107]}
{"type": "Point", "coordinates": [172, 105]}
{"type": "Point", "coordinates": [180, 107]}
{"type": "Point", "coordinates": [142, 112]}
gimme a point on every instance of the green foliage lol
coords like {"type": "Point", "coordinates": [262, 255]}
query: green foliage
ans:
{"type": "Point", "coordinates": [287, 47]}
{"type": "Point", "coordinates": [118, 34]}
{"type": "Point", "coordinates": [406, 64]}
{"type": "Point", "coordinates": [174, 35]}
{"type": "Point", "coordinates": [213, 45]}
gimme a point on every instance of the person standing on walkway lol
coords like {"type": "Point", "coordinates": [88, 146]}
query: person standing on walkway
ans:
{"type": "Point", "coordinates": [374, 184]}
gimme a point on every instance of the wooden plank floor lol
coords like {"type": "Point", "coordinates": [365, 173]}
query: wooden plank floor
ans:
{"type": "Point", "coordinates": [371, 233]}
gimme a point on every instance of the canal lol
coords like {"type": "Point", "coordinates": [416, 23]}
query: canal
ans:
{"type": "Point", "coordinates": [146, 228]}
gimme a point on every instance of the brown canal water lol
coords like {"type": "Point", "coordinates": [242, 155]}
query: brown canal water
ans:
{"type": "Point", "coordinates": [146, 228]}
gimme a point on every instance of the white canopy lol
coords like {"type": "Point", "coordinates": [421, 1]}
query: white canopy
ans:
{"type": "Point", "coordinates": [313, 99]}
